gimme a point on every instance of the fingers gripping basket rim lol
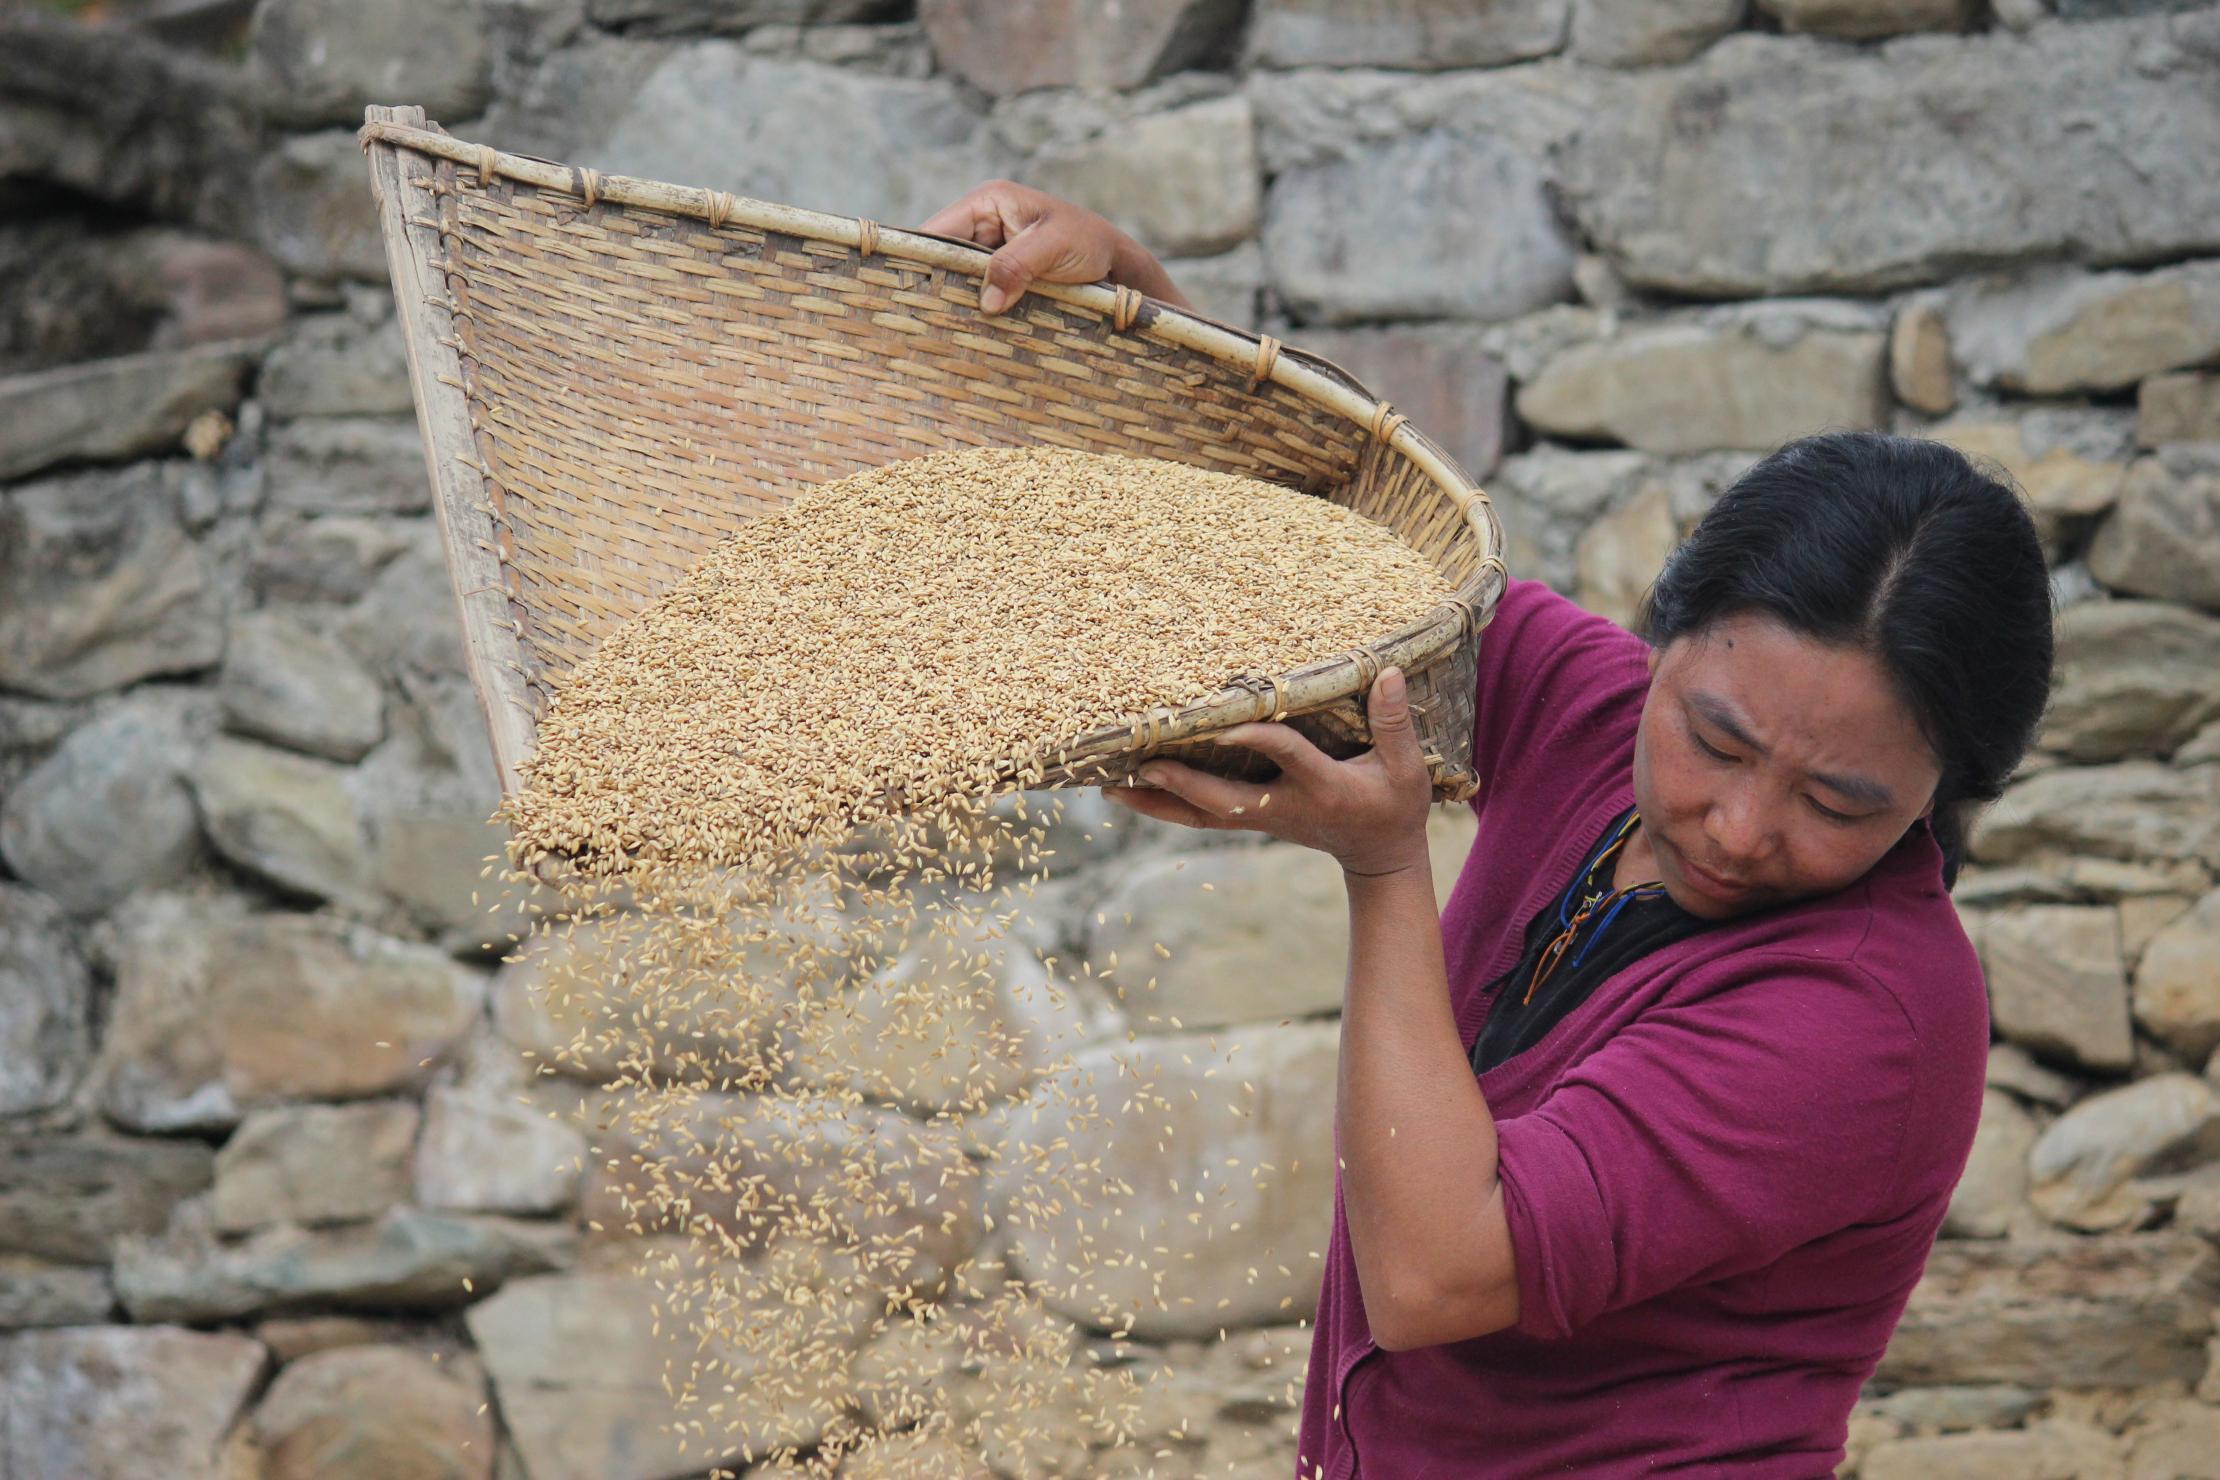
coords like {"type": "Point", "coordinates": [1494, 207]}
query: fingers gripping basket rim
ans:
{"type": "Point", "coordinates": [1388, 469]}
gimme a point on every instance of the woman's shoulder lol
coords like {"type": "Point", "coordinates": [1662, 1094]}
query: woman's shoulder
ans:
{"type": "Point", "coordinates": [1551, 676]}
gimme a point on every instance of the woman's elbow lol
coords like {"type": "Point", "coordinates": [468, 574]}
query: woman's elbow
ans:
{"type": "Point", "coordinates": [1434, 1316]}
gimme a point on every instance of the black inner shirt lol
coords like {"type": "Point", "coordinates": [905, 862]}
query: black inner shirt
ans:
{"type": "Point", "coordinates": [1643, 925]}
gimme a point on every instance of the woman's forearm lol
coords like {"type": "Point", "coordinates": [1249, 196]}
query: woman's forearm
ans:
{"type": "Point", "coordinates": [1417, 1142]}
{"type": "Point", "coordinates": [1135, 266]}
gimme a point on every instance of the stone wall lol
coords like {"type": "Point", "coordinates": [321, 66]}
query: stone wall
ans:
{"type": "Point", "coordinates": [277, 1193]}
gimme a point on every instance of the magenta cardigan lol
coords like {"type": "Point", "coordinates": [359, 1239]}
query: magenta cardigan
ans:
{"type": "Point", "coordinates": [1723, 1171]}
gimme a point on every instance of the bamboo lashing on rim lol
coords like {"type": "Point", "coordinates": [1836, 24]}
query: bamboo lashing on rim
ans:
{"type": "Point", "coordinates": [611, 373]}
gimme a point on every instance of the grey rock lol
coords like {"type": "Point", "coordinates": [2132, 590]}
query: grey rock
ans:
{"type": "Point", "coordinates": [898, 49]}
{"type": "Point", "coordinates": [483, 1153]}
{"type": "Point", "coordinates": [2179, 407]}
{"type": "Point", "coordinates": [100, 586]}
{"type": "Point", "coordinates": [333, 559]}
{"type": "Point", "coordinates": [348, 465]}
{"type": "Point", "coordinates": [2065, 463]}
{"type": "Point", "coordinates": [886, 148]}
{"type": "Point", "coordinates": [115, 408]}
{"type": "Point", "coordinates": [1771, 165]}
{"type": "Point", "coordinates": [1228, 287]}
{"type": "Point", "coordinates": [313, 211]}
{"type": "Point", "coordinates": [2177, 981]}
{"type": "Point", "coordinates": [2057, 983]}
{"type": "Point", "coordinates": [1383, 232]}
{"type": "Point", "coordinates": [1865, 20]}
{"type": "Point", "coordinates": [2057, 330]}
{"type": "Point", "coordinates": [2163, 539]}
{"type": "Point", "coordinates": [1405, 33]}
{"type": "Point", "coordinates": [285, 682]}
{"type": "Point", "coordinates": [2132, 810]}
{"type": "Point", "coordinates": [1920, 367]}
{"type": "Point", "coordinates": [322, 60]}
{"type": "Point", "coordinates": [335, 365]}
{"type": "Point", "coordinates": [1003, 47]}
{"type": "Point", "coordinates": [1450, 388]}
{"type": "Point", "coordinates": [1709, 382]}
{"type": "Point", "coordinates": [408, 1259]}
{"type": "Point", "coordinates": [2109, 1311]}
{"type": "Point", "coordinates": [45, 1004]}
{"type": "Point", "coordinates": [217, 1013]}
{"type": "Point", "coordinates": [2048, 1446]}
{"type": "Point", "coordinates": [372, 1411]}
{"type": "Point", "coordinates": [1617, 558]}
{"type": "Point", "coordinates": [683, 17]}
{"type": "Point", "coordinates": [314, 1164]}
{"type": "Point", "coordinates": [156, 287]}
{"type": "Point", "coordinates": [109, 811]}
{"type": "Point", "coordinates": [2086, 1165]}
{"type": "Point", "coordinates": [123, 119]}
{"type": "Point", "coordinates": [406, 624]}
{"type": "Point", "coordinates": [1548, 496]}
{"type": "Point", "coordinates": [1637, 33]}
{"type": "Point", "coordinates": [285, 818]}
{"type": "Point", "coordinates": [70, 1197]}
{"type": "Point", "coordinates": [107, 1402]}
{"type": "Point", "coordinates": [2011, 1068]}
{"type": "Point", "coordinates": [2132, 678]}
{"type": "Point", "coordinates": [36, 1293]}
{"type": "Point", "coordinates": [1183, 182]}
{"type": "Point", "coordinates": [1951, 1409]}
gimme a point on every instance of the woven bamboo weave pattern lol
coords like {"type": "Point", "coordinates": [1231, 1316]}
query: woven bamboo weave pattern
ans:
{"type": "Point", "coordinates": [613, 373]}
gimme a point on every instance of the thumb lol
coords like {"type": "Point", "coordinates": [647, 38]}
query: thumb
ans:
{"type": "Point", "coordinates": [1026, 256]}
{"type": "Point", "coordinates": [1388, 710]}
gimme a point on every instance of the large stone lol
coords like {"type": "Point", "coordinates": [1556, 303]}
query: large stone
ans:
{"type": "Point", "coordinates": [1183, 182]}
{"type": "Point", "coordinates": [578, 1363]}
{"type": "Point", "coordinates": [1405, 33]}
{"type": "Point", "coordinates": [322, 60]}
{"type": "Point", "coordinates": [678, 17]}
{"type": "Point", "coordinates": [337, 365]}
{"type": "Point", "coordinates": [481, 1153]}
{"type": "Point", "coordinates": [2172, 1437]}
{"type": "Point", "coordinates": [2177, 981]}
{"type": "Point", "coordinates": [408, 1259]}
{"type": "Point", "coordinates": [285, 682]}
{"type": "Point", "coordinates": [1772, 165]}
{"type": "Point", "coordinates": [313, 210]}
{"type": "Point", "coordinates": [1383, 231]}
{"type": "Point", "coordinates": [891, 149]}
{"type": "Point", "coordinates": [348, 465]}
{"type": "Point", "coordinates": [2132, 678]}
{"type": "Point", "coordinates": [69, 1198]}
{"type": "Point", "coordinates": [2164, 538]}
{"type": "Point", "coordinates": [1008, 46]}
{"type": "Point", "coordinates": [2133, 810]}
{"type": "Point", "coordinates": [2183, 407]}
{"type": "Point", "coordinates": [330, 559]}
{"type": "Point", "coordinates": [2068, 464]}
{"type": "Point", "coordinates": [216, 1013]}
{"type": "Point", "coordinates": [100, 586]}
{"type": "Point", "coordinates": [117, 408]}
{"type": "Point", "coordinates": [1741, 379]}
{"type": "Point", "coordinates": [2057, 330]}
{"type": "Point", "coordinates": [112, 114]}
{"type": "Point", "coordinates": [373, 1413]}
{"type": "Point", "coordinates": [1548, 496]}
{"type": "Point", "coordinates": [2049, 1449]}
{"type": "Point", "coordinates": [2057, 984]}
{"type": "Point", "coordinates": [45, 1004]}
{"type": "Point", "coordinates": [285, 818]}
{"type": "Point", "coordinates": [1228, 287]}
{"type": "Point", "coordinates": [1636, 33]}
{"type": "Point", "coordinates": [109, 811]}
{"type": "Point", "coordinates": [2013, 1068]}
{"type": "Point", "coordinates": [1618, 557]}
{"type": "Point", "coordinates": [1990, 1199]}
{"type": "Point", "coordinates": [109, 1402]}
{"type": "Point", "coordinates": [314, 1164]}
{"type": "Point", "coordinates": [407, 624]}
{"type": "Point", "coordinates": [2086, 1166]}
{"type": "Point", "coordinates": [1919, 358]}
{"type": "Point", "coordinates": [1864, 20]}
{"type": "Point", "coordinates": [1214, 1187]}
{"type": "Point", "coordinates": [1449, 387]}
{"type": "Point", "coordinates": [34, 1292]}
{"type": "Point", "coordinates": [2109, 1311]}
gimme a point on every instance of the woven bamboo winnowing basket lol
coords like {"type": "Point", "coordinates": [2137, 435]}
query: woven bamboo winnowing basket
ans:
{"type": "Point", "coordinates": [612, 374]}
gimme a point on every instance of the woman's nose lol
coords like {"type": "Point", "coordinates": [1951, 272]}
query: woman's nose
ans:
{"type": "Point", "coordinates": [1737, 826]}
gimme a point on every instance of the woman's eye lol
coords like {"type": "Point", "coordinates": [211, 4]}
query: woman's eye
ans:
{"type": "Point", "coordinates": [1708, 748]}
{"type": "Point", "coordinates": [1830, 813]}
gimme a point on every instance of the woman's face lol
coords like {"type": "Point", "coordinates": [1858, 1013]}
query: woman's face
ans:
{"type": "Point", "coordinates": [1772, 767]}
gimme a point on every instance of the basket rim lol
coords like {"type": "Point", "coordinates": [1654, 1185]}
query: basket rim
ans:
{"type": "Point", "coordinates": [387, 131]}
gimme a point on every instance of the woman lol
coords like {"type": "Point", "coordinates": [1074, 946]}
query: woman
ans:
{"type": "Point", "coordinates": [1646, 1136]}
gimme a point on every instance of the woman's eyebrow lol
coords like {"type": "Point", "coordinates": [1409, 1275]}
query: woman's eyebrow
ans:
{"type": "Point", "coordinates": [1716, 711]}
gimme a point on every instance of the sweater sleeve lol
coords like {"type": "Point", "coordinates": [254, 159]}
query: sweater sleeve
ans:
{"type": "Point", "coordinates": [1549, 672]}
{"type": "Point", "coordinates": [1708, 1138]}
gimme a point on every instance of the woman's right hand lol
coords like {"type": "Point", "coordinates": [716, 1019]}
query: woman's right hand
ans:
{"type": "Point", "coordinates": [1038, 238]}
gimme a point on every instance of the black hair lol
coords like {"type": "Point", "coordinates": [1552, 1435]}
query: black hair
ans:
{"type": "Point", "coordinates": [1902, 548]}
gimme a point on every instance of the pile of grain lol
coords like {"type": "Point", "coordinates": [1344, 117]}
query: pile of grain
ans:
{"type": "Point", "coordinates": [797, 996]}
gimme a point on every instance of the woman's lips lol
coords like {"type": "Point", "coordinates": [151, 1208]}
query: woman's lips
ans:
{"type": "Point", "coordinates": [1718, 886]}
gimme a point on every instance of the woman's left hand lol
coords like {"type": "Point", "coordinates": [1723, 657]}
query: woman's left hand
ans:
{"type": "Point", "coordinates": [1369, 811]}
